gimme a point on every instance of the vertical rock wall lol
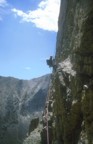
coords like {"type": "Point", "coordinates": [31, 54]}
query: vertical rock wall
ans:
{"type": "Point", "coordinates": [72, 81]}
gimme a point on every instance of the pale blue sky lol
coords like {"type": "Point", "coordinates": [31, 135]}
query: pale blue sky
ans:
{"type": "Point", "coordinates": [27, 36]}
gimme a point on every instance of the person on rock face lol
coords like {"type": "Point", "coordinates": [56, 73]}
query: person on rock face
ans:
{"type": "Point", "coordinates": [51, 62]}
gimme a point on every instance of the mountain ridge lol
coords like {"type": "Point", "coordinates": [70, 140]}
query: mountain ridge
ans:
{"type": "Point", "coordinates": [20, 101]}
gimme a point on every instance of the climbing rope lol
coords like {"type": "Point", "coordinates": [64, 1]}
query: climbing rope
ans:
{"type": "Point", "coordinates": [47, 126]}
{"type": "Point", "coordinates": [46, 116]}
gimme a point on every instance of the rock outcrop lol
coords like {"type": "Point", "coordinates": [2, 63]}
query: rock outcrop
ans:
{"type": "Point", "coordinates": [72, 81]}
{"type": "Point", "coordinates": [20, 102]}
{"type": "Point", "coordinates": [33, 124]}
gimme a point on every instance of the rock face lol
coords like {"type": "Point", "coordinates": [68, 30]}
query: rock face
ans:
{"type": "Point", "coordinates": [72, 81]}
{"type": "Point", "coordinates": [34, 124]}
{"type": "Point", "coordinates": [20, 101]}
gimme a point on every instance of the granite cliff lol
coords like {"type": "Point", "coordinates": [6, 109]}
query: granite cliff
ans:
{"type": "Point", "coordinates": [71, 91]}
{"type": "Point", "coordinates": [20, 102]}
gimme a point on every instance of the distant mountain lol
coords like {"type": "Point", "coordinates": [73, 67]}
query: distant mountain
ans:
{"type": "Point", "coordinates": [20, 101]}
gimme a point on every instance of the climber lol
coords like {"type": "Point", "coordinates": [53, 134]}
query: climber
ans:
{"type": "Point", "coordinates": [51, 62]}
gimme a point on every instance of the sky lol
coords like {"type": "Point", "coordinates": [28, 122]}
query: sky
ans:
{"type": "Point", "coordinates": [28, 30]}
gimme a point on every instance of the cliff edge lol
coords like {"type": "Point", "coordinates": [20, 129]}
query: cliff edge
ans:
{"type": "Point", "coordinates": [71, 92]}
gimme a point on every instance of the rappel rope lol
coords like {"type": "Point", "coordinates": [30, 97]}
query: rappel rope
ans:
{"type": "Point", "coordinates": [47, 116]}
{"type": "Point", "coordinates": [47, 103]}
{"type": "Point", "coordinates": [47, 127]}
